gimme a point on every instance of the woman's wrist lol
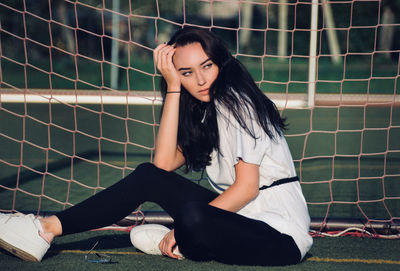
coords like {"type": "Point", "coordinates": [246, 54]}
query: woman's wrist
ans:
{"type": "Point", "coordinates": [174, 89]}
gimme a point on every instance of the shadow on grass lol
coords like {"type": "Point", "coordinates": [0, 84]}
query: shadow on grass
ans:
{"type": "Point", "coordinates": [29, 175]}
{"type": "Point", "coordinates": [106, 241]}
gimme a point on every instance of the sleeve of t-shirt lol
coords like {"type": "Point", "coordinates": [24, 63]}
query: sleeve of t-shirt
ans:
{"type": "Point", "coordinates": [249, 149]}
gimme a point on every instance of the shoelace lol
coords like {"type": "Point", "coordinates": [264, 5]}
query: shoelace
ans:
{"type": "Point", "coordinates": [13, 215]}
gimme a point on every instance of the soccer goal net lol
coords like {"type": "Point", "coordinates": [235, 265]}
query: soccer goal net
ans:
{"type": "Point", "coordinates": [80, 102]}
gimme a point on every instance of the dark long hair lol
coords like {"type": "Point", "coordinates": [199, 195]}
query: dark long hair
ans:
{"type": "Point", "coordinates": [234, 89]}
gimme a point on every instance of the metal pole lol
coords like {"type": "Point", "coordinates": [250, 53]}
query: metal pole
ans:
{"type": "Point", "coordinates": [283, 25]}
{"type": "Point", "coordinates": [114, 46]}
{"type": "Point", "coordinates": [332, 37]}
{"type": "Point", "coordinates": [312, 62]}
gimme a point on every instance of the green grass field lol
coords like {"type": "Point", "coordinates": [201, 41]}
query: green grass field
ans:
{"type": "Point", "coordinates": [343, 253]}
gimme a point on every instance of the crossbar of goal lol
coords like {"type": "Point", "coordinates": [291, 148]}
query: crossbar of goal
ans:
{"type": "Point", "coordinates": [282, 100]}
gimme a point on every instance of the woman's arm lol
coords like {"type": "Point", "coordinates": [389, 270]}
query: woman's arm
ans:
{"type": "Point", "coordinates": [242, 191]}
{"type": "Point", "coordinates": [167, 154]}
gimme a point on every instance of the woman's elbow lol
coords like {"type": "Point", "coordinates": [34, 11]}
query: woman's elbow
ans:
{"type": "Point", "coordinates": [254, 193]}
{"type": "Point", "coordinates": [250, 194]}
{"type": "Point", "coordinates": [167, 164]}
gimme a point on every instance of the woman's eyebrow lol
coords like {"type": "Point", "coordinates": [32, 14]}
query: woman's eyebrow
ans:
{"type": "Point", "coordinates": [205, 61]}
{"type": "Point", "coordinates": [202, 63]}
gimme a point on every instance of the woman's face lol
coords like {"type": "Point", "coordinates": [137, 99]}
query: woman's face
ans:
{"type": "Point", "coordinates": [196, 70]}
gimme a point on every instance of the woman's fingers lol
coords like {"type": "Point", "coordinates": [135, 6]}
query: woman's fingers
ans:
{"type": "Point", "coordinates": [160, 51]}
{"type": "Point", "coordinates": [163, 59]}
{"type": "Point", "coordinates": [167, 245]}
{"type": "Point", "coordinates": [157, 52]}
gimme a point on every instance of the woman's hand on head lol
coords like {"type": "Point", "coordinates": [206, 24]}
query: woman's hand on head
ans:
{"type": "Point", "coordinates": [168, 245]}
{"type": "Point", "coordinates": [163, 60]}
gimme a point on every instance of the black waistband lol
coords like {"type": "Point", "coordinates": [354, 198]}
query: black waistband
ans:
{"type": "Point", "coordinates": [279, 182]}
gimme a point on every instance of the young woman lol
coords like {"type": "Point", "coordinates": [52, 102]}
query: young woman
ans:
{"type": "Point", "coordinates": [215, 117]}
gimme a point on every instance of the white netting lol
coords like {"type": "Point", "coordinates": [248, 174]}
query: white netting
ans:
{"type": "Point", "coordinates": [79, 101]}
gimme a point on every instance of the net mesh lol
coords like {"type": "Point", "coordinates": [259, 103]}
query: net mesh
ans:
{"type": "Point", "coordinates": [79, 100]}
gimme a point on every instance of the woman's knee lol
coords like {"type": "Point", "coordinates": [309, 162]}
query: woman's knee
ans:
{"type": "Point", "coordinates": [146, 175]}
{"type": "Point", "coordinates": [140, 174]}
{"type": "Point", "coordinates": [146, 169]}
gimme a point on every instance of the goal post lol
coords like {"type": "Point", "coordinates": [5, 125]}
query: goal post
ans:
{"type": "Point", "coordinates": [80, 100]}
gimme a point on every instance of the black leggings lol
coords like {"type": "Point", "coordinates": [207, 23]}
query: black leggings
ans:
{"type": "Point", "coordinates": [202, 232]}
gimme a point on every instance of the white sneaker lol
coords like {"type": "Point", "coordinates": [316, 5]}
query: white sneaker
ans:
{"type": "Point", "coordinates": [147, 238]}
{"type": "Point", "coordinates": [19, 234]}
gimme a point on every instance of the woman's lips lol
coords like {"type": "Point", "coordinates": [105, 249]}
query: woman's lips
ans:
{"type": "Point", "coordinates": [204, 91]}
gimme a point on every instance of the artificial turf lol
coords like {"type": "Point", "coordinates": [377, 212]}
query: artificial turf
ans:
{"type": "Point", "coordinates": [341, 253]}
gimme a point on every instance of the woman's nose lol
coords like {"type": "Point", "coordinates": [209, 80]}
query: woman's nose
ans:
{"type": "Point", "coordinates": [200, 79]}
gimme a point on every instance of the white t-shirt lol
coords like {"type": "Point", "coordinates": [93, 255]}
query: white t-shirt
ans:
{"type": "Point", "coordinates": [283, 207]}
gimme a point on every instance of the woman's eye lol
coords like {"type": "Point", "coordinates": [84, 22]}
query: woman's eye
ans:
{"type": "Point", "coordinates": [186, 74]}
{"type": "Point", "coordinates": [207, 66]}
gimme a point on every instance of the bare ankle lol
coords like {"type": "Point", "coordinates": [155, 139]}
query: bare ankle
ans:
{"type": "Point", "coordinates": [48, 236]}
{"type": "Point", "coordinates": [51, 225]}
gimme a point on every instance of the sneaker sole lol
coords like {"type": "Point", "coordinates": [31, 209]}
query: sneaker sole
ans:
{"type": "Point", "coordinates": [17, 252]}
